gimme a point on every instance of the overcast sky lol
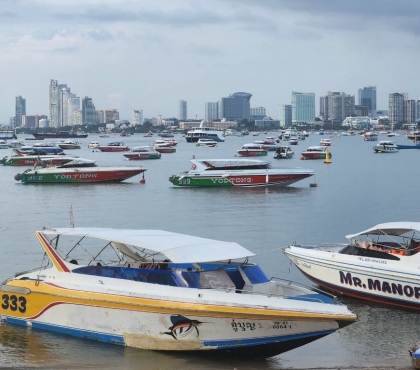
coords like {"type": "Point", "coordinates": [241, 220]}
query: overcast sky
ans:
{"type": "Point", "coordinates": [150, 54]}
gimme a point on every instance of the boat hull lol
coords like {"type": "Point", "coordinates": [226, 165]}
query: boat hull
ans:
{"type": "Point", "coordinates": [165, 149]}
{"type": "Point", "coordinates": [113, 148]}
{"type": "Point", "coordinates": [28, 160]}
{"type": "Point", "coordinates": [138, 156]}
{"type": "Point", "coordinates": [314, 155]}
{"type": "Point", "coordinates": [59, 135]}
{"type": "Point", "coordinates": [79, 175]}
{"type": "Point", "coordinates": [252, 152]}
{"type": "Point", "coordinates": [353, 278]}
{"type": "Point", "coordinates": [159, 324]}
{"type": "Point", "coordinates": [239, 180]}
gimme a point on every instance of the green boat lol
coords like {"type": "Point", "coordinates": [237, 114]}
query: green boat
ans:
{"type": "Point", "coordinates": [27, 160]}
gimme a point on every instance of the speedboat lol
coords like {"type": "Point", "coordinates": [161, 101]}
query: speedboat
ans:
{"type": "Point", "coordinates": [66, 162]}
{"type": "Point", "coordinates": [283, 152]}
{"type": "Point", "coordinates": [93, 145]}
{"type": "Point", "coordinates": [166, 142]}
{"type": "Point", "coordinates": [379, 264]}
{"type": "Point", "coordinates": [63, 174]}
{"type": "Point", "coordinates": [39, 148]}
{"type": "Point", "coordinates": [3, 144]}
{"type": "Point", "coordinates": [238, 173]}
{"type": "Point", "coordinates": [29, 160]}
{"type": "Point", "coordinates": [117, 146]}
{"type": "Point", "coordinates": [206, 142]}
{"type": "Point", "coordinates": [370, 136]}
{"type": "Point", "coordinates": [68, 144]}
{"type": "Point", "coordinates": [142, 152]}
{"type": "Point", "coordinates": [325, 142]}
{"type": "Point", "coordinates": [252, 150]}
{"type": "Point", "coordinates": [158, 290]}
{"type": "Point", "coordinates": [386, 147]}
{"type": "Point", "coordinates": [315, 152]}
{"type": "Point", "coordinates": [15, 144]}
{"type": "Point", "coordinates": [203, 132]}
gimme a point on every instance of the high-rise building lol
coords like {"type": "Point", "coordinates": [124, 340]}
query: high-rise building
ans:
{"type": "Point", "coordinates": [367, 97]}
{"type": "Point", "coordinates": [20, 110]}
{"type": "Point", "coordinates": [73, 103]}
{"type": "Point", "coordinates": [111, 115]}
{"type": "Point", "coordinates": [88, 111]}
{"type": "Point", "coordinates": [236, 107]}
{"type": "Point", "coordinates": [396, 108]}
{"type": "Point", "coordinates": [182, 115]}
{"type": "Point", "coordinates": [211, 111]}
{"type": "Point", "coordinates": [411, 111]}
{"type": "Point", "coordinates": [54, 103]}
{"type": "Point", "coordinates": [59, 94]}
{"type": "Point", "coordinates": [100, 116]}
{"type": "Point", "coordinates": [136, 118]}
{"type": "Point", "coordinates": [303, 107]}
{"type": "Point", "coordinates": [336, 106]}
{"type": "Point", "coordinates": [285, 115]}
{"type": "Point", "coordinates": [259, 111]}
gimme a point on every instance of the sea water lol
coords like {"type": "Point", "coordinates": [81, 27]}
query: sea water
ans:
{"type": "Point", "coordinates": [357, 190]}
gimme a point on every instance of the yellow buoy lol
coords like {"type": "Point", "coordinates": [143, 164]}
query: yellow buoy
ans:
{"type": "Point", "coordinates": [327, 157]}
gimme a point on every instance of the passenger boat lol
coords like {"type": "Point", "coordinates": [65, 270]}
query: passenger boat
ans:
{"type": "Point", "coordinates": [66, 162]}
{"type": "Point", "coordinates": [403, 146]}
{"type": "Point", "coordinates": [325, 142]}
{"type": "Point", "coordinates": [238, 172]}
{"type": "Point", "coordinates": [164, 148]}
{"type": "Point", "coordinates": [148, 134]}
{"type": "Point", "coordinates": [252, 150]}
{"type": "Point", "coordinates": [293, 141]}
{"type": "Point", "coordinates": [15, 144]}
{"type": "Point", "coordinates": [370, 136]}
{"type": "Point", "coordinates": [93, 145]}
{"type": "Point", "coordinates": [166, 133]}
{"type": "Point", "coordinates": [379, 264]}
{"type": "Point", "coordinates": [159, 290]}
{"type": "Point", "coordinates": [29, 160]}
{"type": "Point", "coordinates": [166, 142]}
{"type": "Point", "coordinates": [315, 152]}
{"type": "Point", "coordinates": [68, 144]}
{"type": "Point", "coordinates": [3, 144]}
{"type": "Point", "coordinates": [284, 152]}
{"type": "Point", "coordinates": [414, 135]}
{"type": "Point", "coordinates": [39, 148]}
{"type": "Point", "coordinates": [8, 135]}
{"type": "Point", "coordinates": [206, 142]}
{"type": "Point", "coordinates": [386, 147]}
{"type": "Point", "coordinates": [142, 152]}
{"type": "Point", "coordinates": [116, 146]}
{"type": "Point", "coordinates": [61, 175]}
{"type": "Point", "coordinates": [203, 132]}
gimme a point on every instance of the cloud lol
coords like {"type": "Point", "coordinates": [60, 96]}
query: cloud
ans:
{"type": "Point", "coordinates": [115, 99]}
{"type": "Point", "coordinates": [99, 34]}
{"type": "Point", "coordinates": [65, 50]}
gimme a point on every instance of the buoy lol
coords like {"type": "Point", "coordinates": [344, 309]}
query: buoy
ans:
{"type": "Point", "coordinates": [142, 181]}
{"type": "Point", "coordinates": [327, 157]}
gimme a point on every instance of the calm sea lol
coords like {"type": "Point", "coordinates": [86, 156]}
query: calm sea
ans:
{"type": "Point", "coordinates": [357, 190]}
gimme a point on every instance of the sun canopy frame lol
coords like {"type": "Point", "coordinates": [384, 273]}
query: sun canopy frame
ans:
{"type": "Point", "coordinates": [179, 248]}
{"type": "Point", "coordinates": [390, 228]}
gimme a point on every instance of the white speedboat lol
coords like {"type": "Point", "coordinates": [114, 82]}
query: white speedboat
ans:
{"type": "Point", "coordinates": [93, 145]}
{"type": "Point", "coordinates": [206, 142]}
{"type": "Point", "coordinates": [3, 144]}
{"type": "Point", "coordinates": [386, 146]}
{"type": "Point", "coordinates": [238, 172]}
{"type": "Point", "coordinates": [159, 290]}
{"type": "Point", "coordinates": [143, 152]}
{"type": "Point", "coordinates": [380, 264]}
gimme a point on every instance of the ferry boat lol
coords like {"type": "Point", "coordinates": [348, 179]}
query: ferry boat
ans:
{"type": "Point", "coordinates": [237, 172]}
{"type": "Point", "coordinates": [158, 290]}
{"type": "Point", "coordinates": [60, 135]}
{"type": "Point", "coordinates": [386, 146]}
{"type": "Point", "coordinates": [379, 264]}
{"type": "Point", "coordinates": [202, 132]}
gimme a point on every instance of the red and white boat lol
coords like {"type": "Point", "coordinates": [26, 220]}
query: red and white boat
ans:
{"type": "Point", "coordinates": [142, 152]}
{"type": "Point", "coordinates": [164, 148]}
{"type": "Point", "coordinates": [325, 142]}
{"type": "Point", "coordinates": [315, 152]}
{"type": "Point", "coordinates": [166, 142]}
{"type": "Point", "coordinates": [252, 150]}
{"type": "Point", "coordinates": [117, 146]}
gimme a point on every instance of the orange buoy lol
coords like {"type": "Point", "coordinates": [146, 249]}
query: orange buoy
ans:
{"type": "Point", "coordinates": [142, 181]}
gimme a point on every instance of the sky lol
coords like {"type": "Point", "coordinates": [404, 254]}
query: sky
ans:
{"type": "Point", "coordinates": [148, 55]}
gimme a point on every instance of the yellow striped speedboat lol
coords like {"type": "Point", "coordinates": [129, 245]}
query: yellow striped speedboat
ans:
{"type": "Point", "coordinates": [159, 290]}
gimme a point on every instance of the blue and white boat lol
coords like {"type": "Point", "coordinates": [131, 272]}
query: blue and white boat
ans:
{"type": "Point", "coordinates": [159, 290]}
{"type": "Point", "coordinates": [202, 132]}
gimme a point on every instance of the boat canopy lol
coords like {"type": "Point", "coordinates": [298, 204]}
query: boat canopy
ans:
{"type": "Point", "coordinates": [389, 228]}
{"type": "Point", "coordinates": [179, 248]}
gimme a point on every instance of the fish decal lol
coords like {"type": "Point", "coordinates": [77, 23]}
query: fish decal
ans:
{"type": "Point", "coordinates": [182, 326]}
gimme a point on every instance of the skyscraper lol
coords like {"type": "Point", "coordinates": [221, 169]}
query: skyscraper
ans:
{"type": "Point", "coordinates": [54, 103]}
{"type": "Point", "coordinates": [182, 115]}
{"type": "Point", "coordinates": [20, 110]}
{"type": "Point", "coordinates": [236, 107]}
{"type": "Point", "coordinates": [367, 97]}
{"type": "Point", "coordinates": [411, 111]}
{"type": "Point", "coordinates": [73, 103]}
{"type": "Point", "coordinates": [211, 111]}
{"type": "Point", "coordinates": [396, 108]}
{"type": "Point", "coordinates": [88, 111]}
{"type": "Point", "coordinates": [285, 115]}
{"type": "Point", "coordinates": [336, 106]}
{"type": "Point", "coordinates": [303, 107]}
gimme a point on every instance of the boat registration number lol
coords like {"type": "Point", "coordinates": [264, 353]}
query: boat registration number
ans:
{"type": "Point", "coordinates": [13, 303]}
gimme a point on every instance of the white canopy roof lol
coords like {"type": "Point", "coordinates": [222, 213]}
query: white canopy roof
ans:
{"type": "Point", "coordinates": [179, 248]}
{"type": "Point", "coordinates": [390, 228]}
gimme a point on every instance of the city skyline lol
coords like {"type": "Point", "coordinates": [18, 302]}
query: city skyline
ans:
{"type": "Point", "coordinates": [128, 55]}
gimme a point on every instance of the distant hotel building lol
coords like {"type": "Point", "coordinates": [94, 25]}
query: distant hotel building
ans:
{"type": "Point", "coordinates": [336, 106]}
{"type": "Point", "coordinates": [88, 111]}
{"type": "Point", "coordinates": [136, 118]}
{"type": "Point", "coordinates": [258, 113]}
{"type": "Point", "coordinates": [236, 107]}
{"type": "Point", "coordinates": [411, 111]}
{"type": "Point", "coordinates": [367, 97]}
{"type": "Point", "coordinates": [267, 123]}
{"type": "Point", "coordinates": [111, 115]}
{"type": "Point", "coordinates": [182, 115]}
{"type": "Point", "coordinates": [285, 115]}
{"type": "Point", "coordinates": [303, 107]}
{"type": "Point", "coordinates": [212, 111]}
{"type": "Point", "coordinates": [396, 108]}
{"type": "Point", "coordinates": [20, 110]}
